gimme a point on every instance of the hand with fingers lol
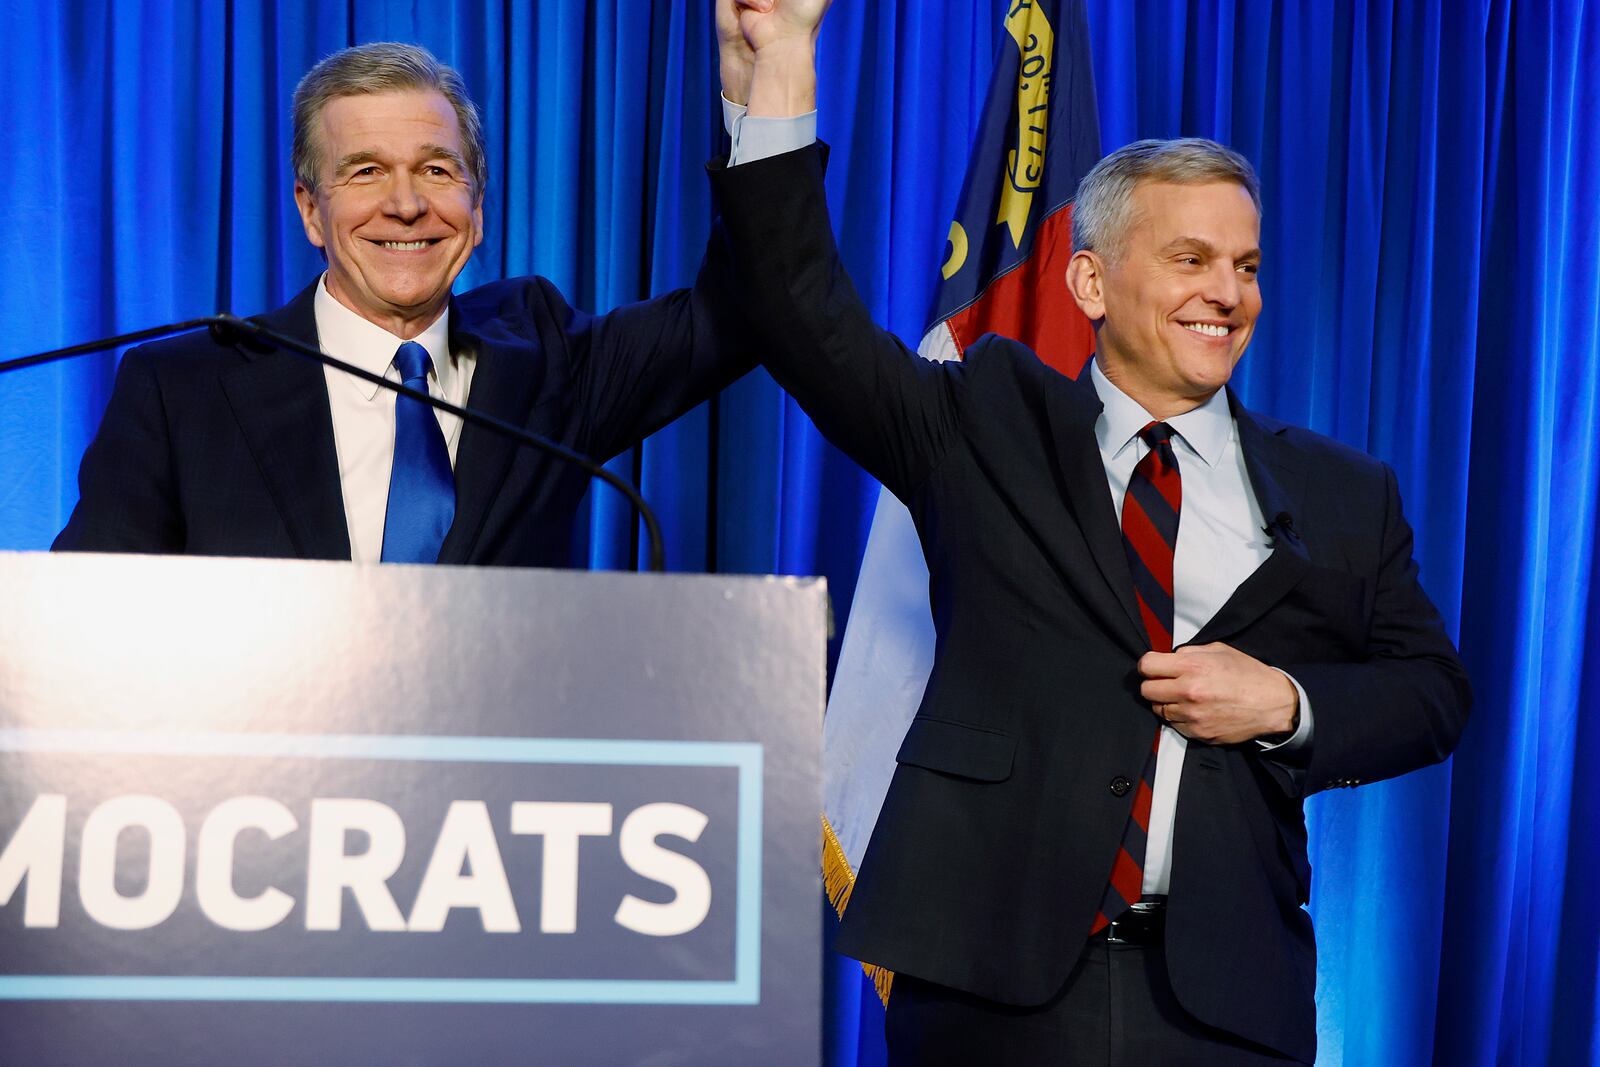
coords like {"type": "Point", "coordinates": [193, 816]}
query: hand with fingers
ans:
{"type": "Point", "coordinates": [770, 23]}
{"type": "Point", "coordinates": [1218, 695]}
{"type": "Point", "coordinates": [768, 53]}
{"type": "Point", "coordinates": [737, 57]}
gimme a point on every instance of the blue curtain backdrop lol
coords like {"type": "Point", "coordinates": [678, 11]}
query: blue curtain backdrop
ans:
{"type": "Point", "coordinates": [1432, 274]}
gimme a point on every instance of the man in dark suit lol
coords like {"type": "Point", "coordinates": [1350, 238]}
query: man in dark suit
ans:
{"type": "Point", "coordinates": [218, 449]}
{"type": "Point", "coordinates": [1162, 622]}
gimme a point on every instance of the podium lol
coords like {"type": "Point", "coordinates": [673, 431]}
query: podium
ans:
{"type": "Point", "coordinates": [280, 812]}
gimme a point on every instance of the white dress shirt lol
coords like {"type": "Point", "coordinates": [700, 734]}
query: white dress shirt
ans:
{"type": "Point", "coordinates": [1220, 544]}
{"type": "Point", "coordinates": [363, 413]}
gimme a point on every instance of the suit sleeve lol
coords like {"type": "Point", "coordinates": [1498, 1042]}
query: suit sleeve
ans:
{"type": "Point", "coordinates": [1405, 705]}
{"type": "Point", "coordinates": [637, 368]}
{"type": "Point", "coordinates": [891, 411]}
{"type": "Point", "coordinates": [126, 498]}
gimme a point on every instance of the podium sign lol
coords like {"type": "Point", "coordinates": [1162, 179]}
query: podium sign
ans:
{"type": "Point", "coordinates": [272, 812]}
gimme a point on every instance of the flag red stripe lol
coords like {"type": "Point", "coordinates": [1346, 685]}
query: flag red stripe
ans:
{"type": "Point", "coordinates": [1033, 305]}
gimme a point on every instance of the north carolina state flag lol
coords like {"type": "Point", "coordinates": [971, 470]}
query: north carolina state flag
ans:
{"type": "Point", "coordinates": [1011, 239]}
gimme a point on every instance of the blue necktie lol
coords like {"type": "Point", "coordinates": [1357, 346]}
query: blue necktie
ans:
{"type": "Point", "coordinates": [422, 488]}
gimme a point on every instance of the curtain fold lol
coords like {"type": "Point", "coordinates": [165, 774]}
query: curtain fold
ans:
{"type": "Point", "coordinates": [1432, 279]}
{"type": "Point", "coordinates": [1520, 945]}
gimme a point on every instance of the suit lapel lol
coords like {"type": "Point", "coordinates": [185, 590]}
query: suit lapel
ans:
{"type": "Point", "coordinates": [1073, 407]}
{"type": "Point", "coordinates": [502, 384]}
{"type": "Point", "coordinates": [281, 403]}
{"type": "Point", "coordinates": [1277, 476]}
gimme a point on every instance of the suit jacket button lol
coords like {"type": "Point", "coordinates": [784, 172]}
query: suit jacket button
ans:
{"type": "Point", "coordinates": [1120, 786]}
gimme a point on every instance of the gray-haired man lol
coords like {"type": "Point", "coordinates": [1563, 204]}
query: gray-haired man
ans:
{"type": "Point", "coordinates": [1162, 622]}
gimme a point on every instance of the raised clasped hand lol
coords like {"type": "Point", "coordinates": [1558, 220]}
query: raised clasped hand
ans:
{"type": "Point", "coordinates": [769, 23]}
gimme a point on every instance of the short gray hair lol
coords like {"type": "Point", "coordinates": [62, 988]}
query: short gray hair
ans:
{"type": "Point", "coordinates": [381, 67]}
{"type": "Point", "coordinates": [1105, 195]}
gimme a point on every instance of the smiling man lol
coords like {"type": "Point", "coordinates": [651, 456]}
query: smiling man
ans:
{"type": "Point", "coordinates": [385, 190]}
{"type": "Point", "coordinates": [1162, 621]}
{"type": "Point", "coordinates": [1166, 267]}
{"type": "Point", "coordinates": [219, 449]}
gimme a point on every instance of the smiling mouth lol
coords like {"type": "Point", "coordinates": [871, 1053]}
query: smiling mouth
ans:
{"type": "Point", "coordinates": [1207, 329]}
{"type": "Point", "coordinates": [407, 246]}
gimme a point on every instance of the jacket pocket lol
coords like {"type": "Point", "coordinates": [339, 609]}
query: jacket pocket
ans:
{"type": "Point", "coordinates": [956, 748]}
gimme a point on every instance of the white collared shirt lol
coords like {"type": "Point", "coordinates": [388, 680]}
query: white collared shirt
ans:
{"type": "Point", "coordinates": [363, 413]}
{"type": "Point", "coordinates": [1220, 544]}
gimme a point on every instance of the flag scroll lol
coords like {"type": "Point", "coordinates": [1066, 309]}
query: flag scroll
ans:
{"type": "Point", "coordinates": [1004, 272]}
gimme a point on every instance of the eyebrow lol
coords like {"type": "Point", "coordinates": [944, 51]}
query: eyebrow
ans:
{"type": "Point", "coordinates": [371, 155]}
{"type": "Point", "coordinates": [1205, 246]}
{"type": "Point", "coordinates": [354, 159]}
{"type": "Point", "coordinates": [439, 151]}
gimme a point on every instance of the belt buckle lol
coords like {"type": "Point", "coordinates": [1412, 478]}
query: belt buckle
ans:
{"type": "Point", "coordinates": [1135, 926]}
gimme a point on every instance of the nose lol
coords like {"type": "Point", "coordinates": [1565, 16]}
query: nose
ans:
{"type": "Point", "coordinates": [405, 201]}
{"type": "Point", "coordinates": [1222, 285]}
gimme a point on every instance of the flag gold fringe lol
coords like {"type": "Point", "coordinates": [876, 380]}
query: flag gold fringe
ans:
{"type": "Point", "coordinates": [837, 881]}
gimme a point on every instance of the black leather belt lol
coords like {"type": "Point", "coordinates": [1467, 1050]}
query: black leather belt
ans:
{"type": "Point", "coordinates": [1142, 924]}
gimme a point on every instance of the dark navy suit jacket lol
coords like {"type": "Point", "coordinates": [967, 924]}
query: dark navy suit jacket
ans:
{"type": "Point", "coordinates": [999, 829]}
{"type": "Point", "coordinates": [215, 449]}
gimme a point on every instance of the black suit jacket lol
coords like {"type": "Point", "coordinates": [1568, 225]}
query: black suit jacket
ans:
{"type": "Point", "coordinates": [215, 449]}
{"type": "Point", "coordinates": [998, 832]}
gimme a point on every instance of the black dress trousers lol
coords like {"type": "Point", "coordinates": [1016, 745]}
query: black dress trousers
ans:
{"type": "Point", "coordinates": [1116, 1010]}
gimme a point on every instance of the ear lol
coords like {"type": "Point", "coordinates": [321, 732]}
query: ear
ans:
{"type": "Point", "coordinates": [310, 218]}
{"type": "Point", "coordinates": [1086, 283]}
{"type": "Point", "coordinates": [477, 223]}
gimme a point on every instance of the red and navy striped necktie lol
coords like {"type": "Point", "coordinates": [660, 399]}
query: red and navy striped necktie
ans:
{"type": "Point", "coordinates": [1150, 538]}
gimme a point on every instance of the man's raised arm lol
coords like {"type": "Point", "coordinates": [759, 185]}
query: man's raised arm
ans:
{"type": "Point", "coordinates": [890, 411]}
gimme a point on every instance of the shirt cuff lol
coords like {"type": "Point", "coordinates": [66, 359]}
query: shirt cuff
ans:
{"type": "Point", "coordinates": [757, 138]}
{"type": "Point", "coordinates": [1300, 740]}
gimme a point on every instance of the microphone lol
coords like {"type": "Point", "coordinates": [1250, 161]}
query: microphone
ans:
{"type": "Point", "coordinates": [1281, 523]}
{"type": "Point", "coordinates": [230, 329]}
{"type": "Point", "coordinates": [225, 330]}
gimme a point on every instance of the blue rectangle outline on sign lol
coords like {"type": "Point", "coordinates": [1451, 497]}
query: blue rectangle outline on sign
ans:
{"type": "Point", "coordinates": [744, 756]}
